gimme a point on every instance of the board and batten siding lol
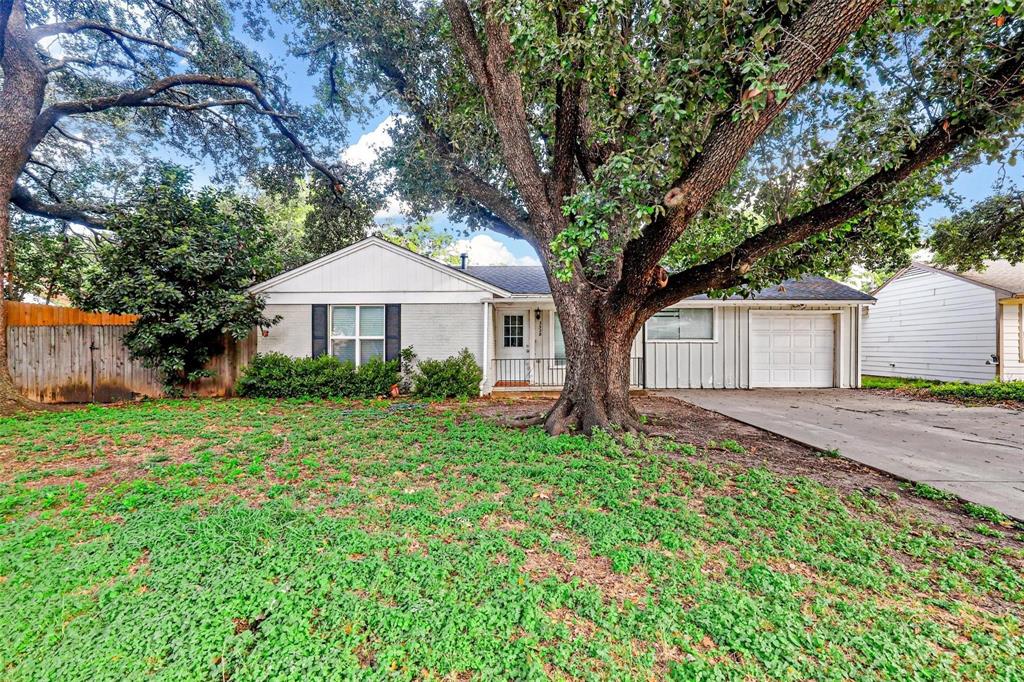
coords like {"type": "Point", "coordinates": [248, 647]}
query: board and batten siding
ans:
{"type": "Point", "coordinates": [725, 362]}
{"type": "Point", "coordinates": [1011, 360]}
{"type": "Point", "coordinates": [931, 325]}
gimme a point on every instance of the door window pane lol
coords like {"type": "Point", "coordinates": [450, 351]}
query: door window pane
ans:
{"type": "Point", "coordinates": [512, 333]}
{"type": "Point", "coordinates": [371, 320]}
{"type": "Point", "coordinates": [682, 324]}
{"type": "Point", "coordinates": [343, 320]}
{"type": "Point", "coordinates": [370, 348]}
{"type": "Point", "coordinates": [559, 342]}
{"type": "Point", "coordinates": [344, 350]}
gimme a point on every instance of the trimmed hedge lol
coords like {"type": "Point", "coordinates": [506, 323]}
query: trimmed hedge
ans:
{"type": "Point", "coordinates": [456, 377]}
{"type": "Point", "coordinates": [273, 375]}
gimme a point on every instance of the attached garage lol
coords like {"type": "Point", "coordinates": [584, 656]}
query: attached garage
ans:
{"type": "Point", "coordinates": [792, 349]}
{"type": "Point", "coordinates": [798, 334]}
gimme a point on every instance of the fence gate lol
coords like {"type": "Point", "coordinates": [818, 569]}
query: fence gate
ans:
{"type": "Point", "coordinates": [76, 364]}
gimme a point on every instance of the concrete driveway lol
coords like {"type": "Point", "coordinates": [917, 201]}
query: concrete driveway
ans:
{"type": "Point", "coordinates": [975, 452]}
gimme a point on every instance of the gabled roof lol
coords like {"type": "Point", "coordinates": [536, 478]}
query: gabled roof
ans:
{"type": "Point", "coordinates": [530, 279]}
{"type": "Point", "coordinates": [999, 275]}
{"type": "Point", "coordinates": [384, 244]}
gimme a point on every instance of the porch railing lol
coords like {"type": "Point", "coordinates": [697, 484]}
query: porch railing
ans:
{"type": "Point", "coordinates": [548, 372]}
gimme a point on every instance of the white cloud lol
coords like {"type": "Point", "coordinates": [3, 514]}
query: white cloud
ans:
{"type": "Point", "coordinates": [486, 250]}
{"type": "Point", "coordinates": [368, 147]}
{"type": "Point", "coordinates": [364, 153]}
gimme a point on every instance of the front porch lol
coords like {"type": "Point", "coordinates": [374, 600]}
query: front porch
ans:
{"type": "Point", "coordinates": [527, 352]}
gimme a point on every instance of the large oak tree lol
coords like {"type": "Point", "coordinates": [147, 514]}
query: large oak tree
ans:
{"type": "Point", "coordinates": [652, 150]}
{"type": "Point", "coordinates": [90, 90]}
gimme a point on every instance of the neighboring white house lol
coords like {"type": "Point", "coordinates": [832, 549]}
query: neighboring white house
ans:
{"type": "Point", "coordinates": [374, 298]}
{"type": "Point", "coordinates": [935, 323]}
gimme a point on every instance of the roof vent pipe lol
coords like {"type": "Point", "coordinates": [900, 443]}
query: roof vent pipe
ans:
{"type": "Point", "coordinates": [464, 257]}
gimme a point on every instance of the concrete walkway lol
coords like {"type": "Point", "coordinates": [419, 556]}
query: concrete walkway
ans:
{"type": "Point", "coordinates": [975, 452]}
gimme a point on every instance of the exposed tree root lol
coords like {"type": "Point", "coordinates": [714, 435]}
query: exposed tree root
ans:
{"type": "Point", "coordinates": [14, 403]}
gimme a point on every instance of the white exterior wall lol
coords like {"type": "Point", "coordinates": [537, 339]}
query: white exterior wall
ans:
{"type": "Point", "coordinates": [1012, 352]}
{"type": "Point", "coordinates": [725, 362]}
{"type": "Point", "coordinates": [933, 326]}
{"type": "Point", "coordinates": [293, 335]}
{"type": "Point", "coordinates": [439, 330]}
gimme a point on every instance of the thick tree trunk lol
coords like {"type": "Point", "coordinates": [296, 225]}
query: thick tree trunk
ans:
{"type": "Point", "coordinates": [21, 100]}
{"type": "Point", "coordinates": [598, 341]}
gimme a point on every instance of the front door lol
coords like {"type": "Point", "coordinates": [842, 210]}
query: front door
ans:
{"type": "Point", "coordinates": [512, 354]}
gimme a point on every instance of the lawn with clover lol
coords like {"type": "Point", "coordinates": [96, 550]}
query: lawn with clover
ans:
{"type": "Point", "coordinates": [260, 540]}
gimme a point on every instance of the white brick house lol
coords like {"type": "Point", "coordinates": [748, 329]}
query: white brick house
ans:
{"type": "Point", "coordinates": [374, 298]}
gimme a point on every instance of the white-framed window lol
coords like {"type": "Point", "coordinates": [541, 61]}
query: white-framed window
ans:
{"type": "Point", "coordinates": [682, 324]}
{"type": "Point", "coordinates": [357, 333]}
{"type": "Point", "coordinates": [559, 341]}
{"type": "Point", "coordinates": [512, 331]}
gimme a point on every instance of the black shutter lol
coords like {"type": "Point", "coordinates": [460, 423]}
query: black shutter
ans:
{"type": "Point", "coordinates": [392, 331]}
{"type": "Point", "coordinates": [319, 330]}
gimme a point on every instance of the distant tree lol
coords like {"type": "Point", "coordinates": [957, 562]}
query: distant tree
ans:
{"type": "Point", "coordinates": [331, 224]}
{"type": "Point", "coordinates": [992, 229]}
{"type": "Point", "coordinates": [421, 238]}
{"type": "Point", "coordinates": [182, 261]}
{"type": "Point", "coordinates": [89, 91]}
{"type": "Point", "coordinates": [47, 263]}
{"type": "Point", "coordinates": [651, 151]}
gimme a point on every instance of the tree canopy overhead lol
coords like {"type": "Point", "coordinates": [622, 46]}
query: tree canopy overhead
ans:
{"type": "Point", "coordinates": [736, 143]}
{"type": "Point", "coordinates": [92, 90]}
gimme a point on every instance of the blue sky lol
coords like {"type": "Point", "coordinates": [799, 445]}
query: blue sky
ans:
{"type": "Point", "coordinates": [486, 246]}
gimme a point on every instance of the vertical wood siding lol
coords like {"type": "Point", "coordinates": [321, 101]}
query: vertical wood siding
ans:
{"type": "Point", "coordinates": [89, 363]}
{"type": "Point", "coordinates": [725, 362]}
{"type": "Point", "coordinates": [933, 326]}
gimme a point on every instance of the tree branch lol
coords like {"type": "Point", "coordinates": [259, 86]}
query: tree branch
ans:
{"type": "Point", "coordinates": [823, 27]}
{"type": "Point", "coordinates": [47, 30]}
{"type": "Point", "coordinates": [496, 206]}
{"type": "Point", "coordinates": [503, 93]}
{"type": "Point", "coordinates": [21, 198]}
{"type": "Point", "coordinates": [143, 98]}
{"type": "Point", "coordinates": [1004, 93]}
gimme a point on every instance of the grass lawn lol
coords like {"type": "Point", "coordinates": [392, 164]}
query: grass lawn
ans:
{"type": "Point", "coordinates": [251, 540]}
{"type": "Point", "coordinates": [1011, 392]}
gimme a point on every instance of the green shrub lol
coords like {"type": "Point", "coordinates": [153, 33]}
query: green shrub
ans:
{"type": "Point", "coordinates": [455, 377]}
{"type": "Point", "coordinates": [274, 375]}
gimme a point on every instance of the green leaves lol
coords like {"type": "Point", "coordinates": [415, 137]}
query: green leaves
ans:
{"type": "Point", "coordinates": [182, 261]}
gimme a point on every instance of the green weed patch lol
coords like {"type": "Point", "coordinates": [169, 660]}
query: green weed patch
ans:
{"type": "Point", "coordinates": [254, 540]}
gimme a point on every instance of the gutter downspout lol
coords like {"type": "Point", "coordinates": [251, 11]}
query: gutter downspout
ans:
{"type": "Point", "coordinates": [485, 362]}
{"type": "Point", "coordinates": [999, 340]}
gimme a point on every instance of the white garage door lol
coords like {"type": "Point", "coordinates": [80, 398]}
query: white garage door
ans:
{"type": "Point", "coordinates": [791, 350]}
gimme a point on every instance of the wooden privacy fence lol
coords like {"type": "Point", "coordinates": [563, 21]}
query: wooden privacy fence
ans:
{"type": "Point", "coordinates": [85, 359]}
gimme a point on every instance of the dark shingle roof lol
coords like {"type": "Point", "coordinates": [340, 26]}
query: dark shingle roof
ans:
{"type": "Point", "coordinates": [515, 279]}
{"type": "Point", "coordinates": [530, 279]}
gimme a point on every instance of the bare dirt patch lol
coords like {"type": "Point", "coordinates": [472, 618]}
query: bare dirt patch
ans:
{"type": "Point", "coordinates": [102, 470]}
{"type": "Point", "coordinates": [588, 569]}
